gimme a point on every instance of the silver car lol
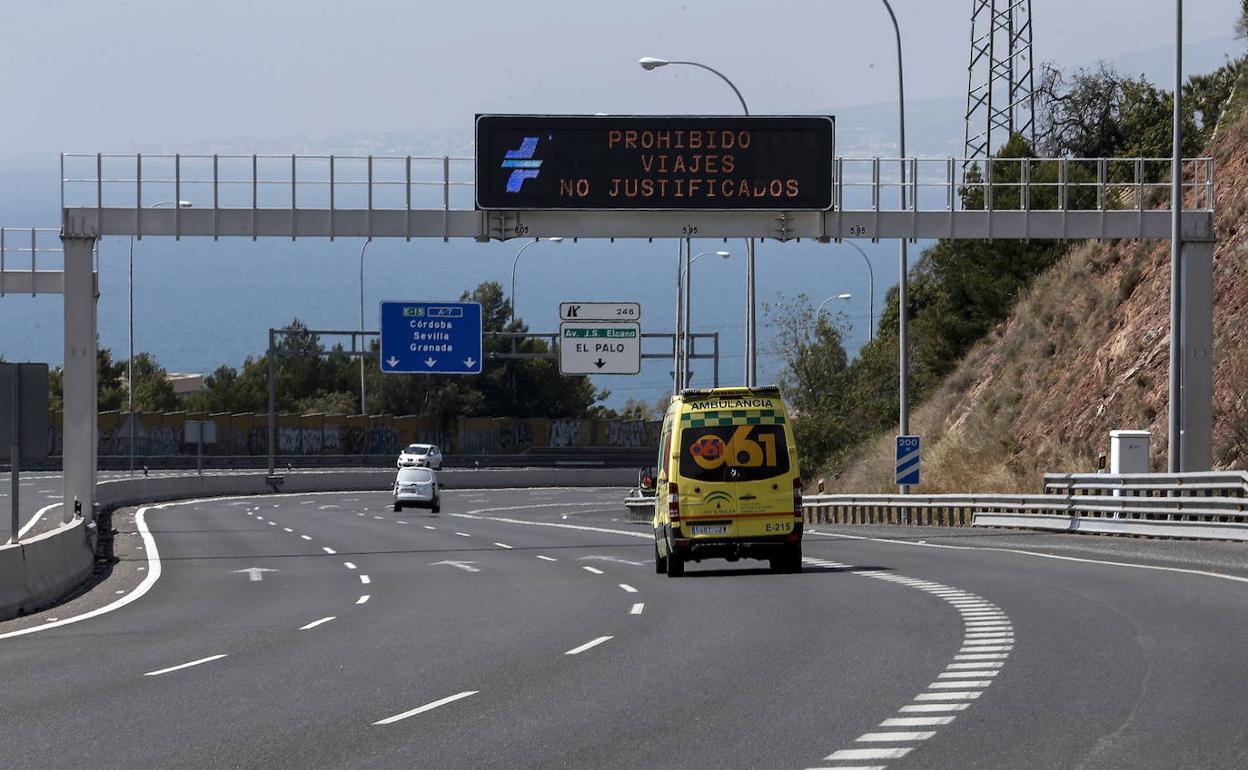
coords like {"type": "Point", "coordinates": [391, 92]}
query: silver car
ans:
{"type": "Point", "coordinates": [417, 487]}
{"type": "Point", "coordinates": [415, 455]}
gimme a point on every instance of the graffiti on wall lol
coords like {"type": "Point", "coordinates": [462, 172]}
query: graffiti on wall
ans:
{"type": "Point", "coordinates": [626, 433]}
{"type": "Point", "coordinates": [565, 433]}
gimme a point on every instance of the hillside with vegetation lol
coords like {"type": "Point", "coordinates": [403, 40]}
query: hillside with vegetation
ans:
{"type": "Point", "coordinates": [1026, 355]}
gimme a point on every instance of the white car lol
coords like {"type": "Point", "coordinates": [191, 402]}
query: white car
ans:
{"type": "Point", "coordinates": [417, 487]}
{"type": "Point", "coordinates": [421, 456]}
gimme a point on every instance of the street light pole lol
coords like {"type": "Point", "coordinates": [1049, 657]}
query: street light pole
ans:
{"type": "Point", "coordinates": [1174, 462]}
{"type": "Point", "coordinates": [130, 335]}
{"type": "Point", "coordinates": [751, 327]}
{"type": "Point", "coordinates": [903, 338]}
{"type": "Point", "coordinates": [363, 407]}
{"type": "Point", "coordinates": [870, 290]}
{"type": "Point", "coordinates": [688, 314]}
{"type": "Point", "coordinates": [516, 261]}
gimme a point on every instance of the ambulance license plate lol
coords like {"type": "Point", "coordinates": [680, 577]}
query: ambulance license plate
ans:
{"type": "Point", "coordinates": [710, 529]}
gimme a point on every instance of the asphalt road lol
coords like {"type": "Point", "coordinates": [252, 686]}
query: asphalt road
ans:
{"type": "Point", "coordinates": [527, 628]}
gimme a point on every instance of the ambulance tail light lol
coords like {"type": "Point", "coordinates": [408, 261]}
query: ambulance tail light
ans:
{"type": "Point", "coordinates": [673, 502]}
{"type": "Point", "coordinates": [797, 498]}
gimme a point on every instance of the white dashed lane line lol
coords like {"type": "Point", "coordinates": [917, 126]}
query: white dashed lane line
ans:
{"type": "Point", "coordinates": [316, 623]}
{"type": "Point", "coordinates": [637, 608]}
{"type": "Point", "coordinates": [547, 558]}
{"type": "Point", "coordinates": [627, 588]}
{"type": "Point", "coordinates": [592, 570]}
{"type": "Point", "coordinates": [588, 645]}
{"type": "Point", "coordinates": [503, 545]}
{"type": "Point", "coordinates": [179, 667]}
{"type": "Point", "coordinates": [363, 599]}
{"type": "Point", "coordinates": [427, 707]}
{"type": "Point", "coordinates": [463, 534]}
{"type": "Point", "coordinates": [988, 639]}
{"type": "Point", "coordinates": [365, 579]}
{"type": "Point", "coordinates": [328, 550]}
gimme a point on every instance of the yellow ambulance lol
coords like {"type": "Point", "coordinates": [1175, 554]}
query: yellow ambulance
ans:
{"type": "Point", "coordinates": [728, 484]}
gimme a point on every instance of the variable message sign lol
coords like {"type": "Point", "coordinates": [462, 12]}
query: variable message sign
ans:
{"type": "Point", "coordinates": [658, 162]}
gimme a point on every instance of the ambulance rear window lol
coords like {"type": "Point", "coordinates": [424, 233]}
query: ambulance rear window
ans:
{"type": "Point", "coordinates": [732, 449]}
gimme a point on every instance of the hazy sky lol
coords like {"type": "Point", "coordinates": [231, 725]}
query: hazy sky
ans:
{"type": "Point", "coordinates": [119, 75]}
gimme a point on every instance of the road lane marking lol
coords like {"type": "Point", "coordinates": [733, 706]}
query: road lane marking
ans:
{"type": "Point", "coordinates": [287, 529]}
{"type": "Point", "coordinates": [35, 520]}
{"type": "Point", "coordinates": [364, 579]}
{"type": "Point", "coordinates": [463, 534]}
{"type": "Point", "coordinates": [348, 565]}
{"type": "Point", "coordinates": [916, 721]}
{"type": "Point", "coordinates": [379, 518]}
{"type": "Point", "coordinates": [627, 588]}
{"type": "Point", "coordinates": [328, 550]}
{"type": "Point", "coordinates": [503, 545]}
{"type": "Point", "coordinates": [427, 707]}
{"type": "Point", "coordinates": [988, 640]}
{"type": "Point", "coordinates": [466, 566]}
{"type": "Point", "coordinates": [897, 737]}
{"type": "Point", "coordinates": [396, 521]}
{"type": "Point", "coordinates": [868, 754]}
{"type": "Point", "coordinates": [1038, 555]}
{"type": "Point", "coordinates": [427, 526]}
{"type": "Point", "coordinates": [305, 537]}
{"type": "Point", "coordinates": [546, 558]}
{"type": "Point", "coordinates": [933, 708]}
{"type": "Point", "coordinates": [637, 608]}
{"type": "Point", "coordinates": [316, 623]}
{"type": "Point", "coordinates": [158, 672]}
{"type": "Point", "coordinates": [362, 599]}
{"type": "Point", "coordinates": [592, 570]}
{"type": "Point", "coordinates": [588, 645]}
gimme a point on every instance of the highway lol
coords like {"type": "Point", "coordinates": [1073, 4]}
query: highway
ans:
{"type": "Point", "coordinates": [527, 628]}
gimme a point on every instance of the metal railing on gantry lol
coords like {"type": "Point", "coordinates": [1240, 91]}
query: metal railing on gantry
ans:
{"type": "Point", "coordinates": [433, 196]}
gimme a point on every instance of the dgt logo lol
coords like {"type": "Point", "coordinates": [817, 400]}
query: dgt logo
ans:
{"type": "Point", "coordinates": [521, 160]}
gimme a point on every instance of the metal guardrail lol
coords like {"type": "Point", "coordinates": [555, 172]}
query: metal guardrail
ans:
{"type": "Point", "coordinates": [1213, 483]}
{"type": "Point", "coordinates": [1188, 505]}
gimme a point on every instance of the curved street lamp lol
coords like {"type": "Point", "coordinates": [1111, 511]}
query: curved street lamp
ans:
{"type": "Point", "coordinates": [650, 63]}
{"type": "Point", "coordinates": [819, 309]}
{"type": "Point", "coordinates": [870, 290]}
{"type": "Point", "coordinates": [684, 282]}
{"type": "Point", "coordinates": [514, 262]}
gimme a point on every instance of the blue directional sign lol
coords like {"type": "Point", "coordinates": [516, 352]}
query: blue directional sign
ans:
{"type": "Point", "coordinates": [431, 337]}
{"type": "Point", "coordinates": [908, 448]}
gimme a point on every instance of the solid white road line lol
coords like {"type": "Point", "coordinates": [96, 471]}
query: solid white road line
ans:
{"type": "Point", "coordinates": [547, 558]}
{"type": "Point", "coordinates": [35, 519]}
{"type": "Point", "coordinates": [587, 645]}
{"type": "Point", "coordinates": [593, 570]}
{"type": "Point", "coordinates": [316, 623]}
{"type": "Point", "coordinates": [426, 707]}
{"type": "Point", "coordinates": [158, 672]}
{"type": "Point", "coordinates": [637, 608]}
{"type": "Point", "coordinates": [362, 599]}
{"type": "Point", "coordinates": [503, 545]}
{"type": "Point", "coordinates": [627, 588]}
{"type": "Point", "coordinates": [364, 579]}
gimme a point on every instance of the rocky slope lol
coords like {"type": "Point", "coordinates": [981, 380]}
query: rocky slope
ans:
{"type": "Point", "coordinates": [1085, 351]}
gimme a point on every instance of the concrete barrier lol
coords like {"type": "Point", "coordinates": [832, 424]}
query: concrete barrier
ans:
{"type": "Point", "coordinates": [41, 571]}
{"type": "Point", "coordinates": [44, 569]}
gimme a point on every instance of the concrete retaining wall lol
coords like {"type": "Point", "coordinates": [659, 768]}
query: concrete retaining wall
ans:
{"type": "Point", "coordinates": [46, 568]}
{"type": "Point", "coordinates": [42, 570]}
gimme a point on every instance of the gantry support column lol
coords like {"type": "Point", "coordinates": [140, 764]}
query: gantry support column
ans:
{"type": "Point", "coordinates": [80, 408]}
{"type": "Point", "coordinates": [1196, 350]}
